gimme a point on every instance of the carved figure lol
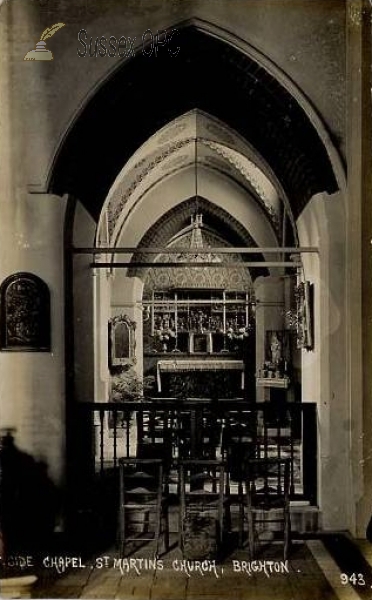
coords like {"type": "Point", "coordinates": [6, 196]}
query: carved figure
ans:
{"type": "Point", "coordinates": [276, 349]}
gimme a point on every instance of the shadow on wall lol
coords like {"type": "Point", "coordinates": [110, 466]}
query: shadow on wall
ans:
{"type": "Point", "coordinates": [29, 501]}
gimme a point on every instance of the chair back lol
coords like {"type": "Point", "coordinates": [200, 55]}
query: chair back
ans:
{"type": "Point", "coordinates": [267, 481]}
{"type": "Point", "coordinates": [239, 443]}
{"type": "Point", "coordinates": [155, 434]}
{"type": "Point", "coordinates": [140, 479]}
{"type": "Point", "coordinates": [141, 502]}
{"type": "Point", "coordinates": [202, 478]}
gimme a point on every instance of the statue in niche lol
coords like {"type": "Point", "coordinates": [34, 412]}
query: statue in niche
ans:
{"type": "Point", "coordinates": [275, 349]}
{"type": "Point", "coordinates": [122, 340]}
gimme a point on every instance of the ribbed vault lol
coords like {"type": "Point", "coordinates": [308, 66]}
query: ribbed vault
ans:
{"type": "Point", "coordinates": [200, 143]}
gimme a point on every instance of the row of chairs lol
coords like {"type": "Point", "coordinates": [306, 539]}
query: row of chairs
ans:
{"type": "Point", "coordinates": [180, 434]}
{"type": "Point", "coordinates": [207, 491]}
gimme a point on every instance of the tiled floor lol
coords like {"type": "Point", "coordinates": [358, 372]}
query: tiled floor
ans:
{"type": "Point", "coordinates": [311, 574]}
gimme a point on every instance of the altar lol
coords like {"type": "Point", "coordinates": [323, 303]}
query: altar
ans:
{"type": "Point", "coordinates": [179, 365]}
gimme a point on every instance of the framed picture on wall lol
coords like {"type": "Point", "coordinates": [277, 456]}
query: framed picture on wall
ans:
{"type": "Point", "coordinates": [304, 298]}
{"type": "Point", "coordinates": [25, 314]}
{"type": "Point", "coordinates": [122, 341]}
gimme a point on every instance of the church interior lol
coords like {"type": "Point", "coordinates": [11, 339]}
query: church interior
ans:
{"type": "Point", "coordinates": [185, 278]}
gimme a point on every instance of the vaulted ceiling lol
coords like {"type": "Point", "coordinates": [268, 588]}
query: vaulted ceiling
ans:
{"type": "Point", "coordinates": [200, 144]}
{"type": "Point", "coordinates": [145, 94]}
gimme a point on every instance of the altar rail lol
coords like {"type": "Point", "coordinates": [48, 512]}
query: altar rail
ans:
{"type": "Point", "coordinates": [202, 428]}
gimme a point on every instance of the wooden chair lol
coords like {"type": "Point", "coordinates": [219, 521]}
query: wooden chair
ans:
{"type": "Point", "coordinates": [155, 429]}
{"type": "Point", "coordinates": [202, 499]}
{"type": "Point", "coordinates": [267, 497]}
{"type": "Point", "coordinates": [141, 501]}
{"type": "Point", "coordinates": [239, 445]}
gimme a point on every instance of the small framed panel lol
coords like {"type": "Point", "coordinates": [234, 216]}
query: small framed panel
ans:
{"type": "Point", "coordinates": [305, 304]}
{"type": "Point", "coordinates": [122, 341]}
{"type": "Point", "coordinates": [25, 314]}
{"type": "Point", "coordinates": [200, 342]}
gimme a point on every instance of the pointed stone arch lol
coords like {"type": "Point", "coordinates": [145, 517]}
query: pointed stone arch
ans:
{"type": "Point", "coordinates": [267, 112]}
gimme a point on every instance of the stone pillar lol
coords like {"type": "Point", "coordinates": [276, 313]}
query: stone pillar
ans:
{"type": "Point", "coordinates": [82, 293]}
{"type": "Point", "coordinates": [322, 224]}
{"type": "Point", "coordinates": [33, 383]}
{"type": "Point", "coordinates": [359, 265]}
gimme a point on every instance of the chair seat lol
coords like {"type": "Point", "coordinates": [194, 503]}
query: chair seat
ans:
{"type": "Point", "coordinates": [139, 505]}
{"type": "Point", "coordinates": [139, 475]}
{"type": "Point", "coordinates": [141, 490]}
{"type": "Point", "coordinates": [202, 493]}
{"type": "Point", "coordinates": [267, 506]}
{"type": "Point", "coordinates": [144, 501]}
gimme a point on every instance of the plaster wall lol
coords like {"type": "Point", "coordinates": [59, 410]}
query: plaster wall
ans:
{"type": "Point", "coordinates": [32, 384]}
{"type": "Point", "coordinates": [325, 373]}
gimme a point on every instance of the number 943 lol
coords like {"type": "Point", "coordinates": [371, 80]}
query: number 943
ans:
{"type": "Point", "coordinates": [354, 579]}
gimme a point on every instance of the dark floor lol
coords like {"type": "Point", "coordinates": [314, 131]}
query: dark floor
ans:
{"type": "Point", "coordinates": [310, 574]}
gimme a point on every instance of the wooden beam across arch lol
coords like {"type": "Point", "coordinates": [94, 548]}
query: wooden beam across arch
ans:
{"type": "Point", "coordinates": [208, 250]}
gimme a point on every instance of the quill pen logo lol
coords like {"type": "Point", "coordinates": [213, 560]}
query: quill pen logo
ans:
{"type": "Point", "coordinates": [41, 52]}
